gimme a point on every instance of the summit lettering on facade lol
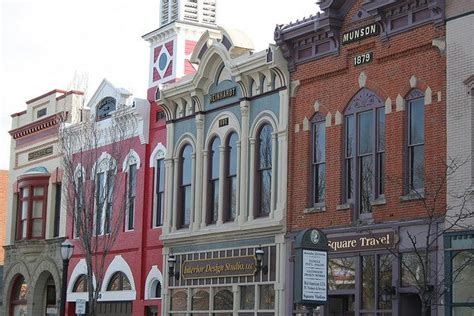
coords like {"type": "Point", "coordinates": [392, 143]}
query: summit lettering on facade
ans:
{"type": "Point", "coordinates": [360, 33]}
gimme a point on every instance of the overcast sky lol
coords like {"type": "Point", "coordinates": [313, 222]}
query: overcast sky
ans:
{"type": "Point", "coordinates": [44, 42]}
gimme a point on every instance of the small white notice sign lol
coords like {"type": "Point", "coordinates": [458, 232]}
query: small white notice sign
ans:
{"type": "Point", "coordinates": [315, 272]}
{"type": "Point", "coordinates": [80, 307]}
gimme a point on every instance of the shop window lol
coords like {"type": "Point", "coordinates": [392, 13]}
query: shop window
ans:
{"type": "Point", "coordinates": [185, 187]}
{"type": "Point", "coordinates": [80, 286]}
{"type": "Point", "coordinates": [463, 279]}
{"type": "Point", "coordinates": [364, 147]}
{"type": "Point", "coordinates": [223, 299]}
{"type": "Point", "coordinates": [119, 282]}
{"type": "Point", "coordinates": [319, 159]}
{"type": "Point", "coordinates": [264, 170]}
{"type": "Point", "coordinates": [247, 297]}
{"type": "Point", "coordinates": [213, 184]}
{"type": "Point", "coordinates": [200, 300]}
{"type": "Point", "coordinates": [159, 193]}
{"type": "Point", "coordinates": [416, 141]}
{"type": "Point", "coordinates": [179, 300]}
{"type": "Point", "coordinates": [413, 267]}
{"type": "Point", "coordinates": [131, 195]}
{"type": "Point", "coordinates": [18, 296]}
{"type": "Point", "coordinates": [376, 275]}
{"type": "Point", "coordinates": [32, 209]}
{"type": "Point", "coordinates": [342, 273]}
{"type": "Point", "coordinates": [267, 296]}
{"type": "Point", "coordinates": [230, 199]}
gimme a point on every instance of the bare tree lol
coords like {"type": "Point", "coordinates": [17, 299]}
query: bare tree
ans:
{"type": "Point", "coordinates": [422, 270]}
{"type": "Point", "coordinates": [96, 187]}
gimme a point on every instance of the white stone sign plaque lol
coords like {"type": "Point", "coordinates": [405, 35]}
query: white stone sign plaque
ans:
{"type": "Point", "coordinates": [315, 275]}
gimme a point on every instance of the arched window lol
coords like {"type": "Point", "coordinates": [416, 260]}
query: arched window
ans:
{"type": "Point", "coordinates": [200, 300]}
{"type": "Point", "coordinates": [81, 284]}
{"type": "Point", "coordinates": [319, 159]}
{"type": "Point", "coordinates": [105, 107]}
{"type": "Point", "coordinates": [131, 195]}
{"type": "Point", "coordinates": [416, 141]}
{"type": "Point", "coordinates": [18, 296]}
{"type": "Point", "coordinates": [223, 299]}
{"type": "Point", "coordinates": [159, 193]}
{"type": "Point", "coordinates": [156, 289]}
{"type": "Point", "coordinates": [104, 195]}
{"type": "Point", "coordinates": [185, 187]}
{"type": "Point", "coordinates": [364, 142]}
{"type": "Point", "coordinates": [119, 282]}
{"type": "Point", "coordinates": [230, 198]}
{"type": "Point", "coordinates": [213, 184]}
{"type": "Point", "coordinates": [264, 170]}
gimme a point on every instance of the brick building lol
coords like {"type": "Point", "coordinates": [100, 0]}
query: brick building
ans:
{"type": "Point", "coordinates": [367, 148]}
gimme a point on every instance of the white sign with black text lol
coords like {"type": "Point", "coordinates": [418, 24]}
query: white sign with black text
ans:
{"type": "Point", "coordinates": [315, 275]}
{"type": "Point", "coordinates": [80, 307]}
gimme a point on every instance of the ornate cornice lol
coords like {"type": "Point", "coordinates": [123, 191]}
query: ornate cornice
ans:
{"type": "Point", "coordinates": [40, 125]}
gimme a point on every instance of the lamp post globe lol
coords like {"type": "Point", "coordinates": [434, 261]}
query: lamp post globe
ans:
{"type": "Point", "coordinates": [67, 250]}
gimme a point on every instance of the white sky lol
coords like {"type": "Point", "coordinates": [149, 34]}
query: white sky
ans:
{"type": "Point", "coordinates": [44, 42]}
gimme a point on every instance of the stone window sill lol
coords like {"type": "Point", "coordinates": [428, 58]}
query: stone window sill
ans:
{"type": "Point", "coordinates": [380, 201]}
{"type": "Point", "coordinates": [344, 207]}
{"type": "Point", "coordinates": [412, 196]}
{"type": "Point", "coordinates": [315, 209]}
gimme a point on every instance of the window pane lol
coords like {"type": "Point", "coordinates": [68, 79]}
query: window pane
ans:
{"type": "Point", "coordinates": [319, 137]}
{"type": "Point", "coordinates": [417, 167]}
{"type": "Point", "coordinates": [350, 141]}
{"type": "Point", "coordinates": [350, 178]}
{"type": "Point", "coordinates": [417, 122]}
{"type": "Point", "coordinates": [247, 297]}
{"type": "Point", "coordinates": [265, 191]}
{"type": "Point", "coordinates": [385, 279]}
{"type": "Point", "coordinates": [341, 273]}
{"type": "Point", "coordinates": [186, 165]}
{"type": "Point", "coordinates": [179, 300]}
{"type": "Point", "coordinates": [412, 269]}
{"type": "Point", "coordinates": [38, 191]}
{"type": "Point", "coordinates": [200, 300]}
{"type": "Point", "coordinates": [232, 152]}
{"type": "Point", "coordinates": [37, 229]}
{"type": "Point", "coordinates": [366, 180]}
{"type": "Point", "coordinates": [463, 278]}
{"type": "Point", "coordinates": [215, 158]}
{"type": "Point", "coordinates": [24, 227]}
{"type": "Point", "coordinates": [380, 172]}
{"type": "Point", "coordinates": [368, 282]}
{"type": "Point", "coordinates": [187, 205]}
{"type": "Point", "coordinates": [160, 204]}
{"type": "Point", "coordinates": [463, 311]}
{"type": "Point", "coordinates": [37, 209]}
{"type": "Point", "coordinates": [161, 175]}
{"type": "Point", "coordinates": [223, 299]}
{"type": "Point", "coordinates": [233, 196]}
{"type": "Point", "coordinates": [366, 133]}
{"type": "Point", "coordinates": [24, 209]}
{"type": "Point", "coordinates": [381, 129]}
{"type": "Point", "coordinates": [132, 181]}
{"type": "Point", "coordinates": [265, 147]}
{"type": "Point", "coordinates": [320, 182]}
{"type": "Point", "coordinates": [267, 296]}
{"type": "Point", "coordinates": [25, 192]}
{"type": "Point", "coordinates": [214, 187]}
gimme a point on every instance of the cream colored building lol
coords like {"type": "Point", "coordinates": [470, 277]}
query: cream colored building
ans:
{"type": "Point", "coordinates": [35, 219]}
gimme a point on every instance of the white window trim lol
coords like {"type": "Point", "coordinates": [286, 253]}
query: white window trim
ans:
{"type": "Point", "coordinates": [158, 153]}
{"type": "Point", "coordinates": [77, 173]}
{"type": "Point", "coordinates": [103, 166]}
{"type": "Point", "coordinates": [79, 269]}
{"type": "Point", "coordinates": [118, 265]}
{"type": "Point", "coordinates": [153, 275]}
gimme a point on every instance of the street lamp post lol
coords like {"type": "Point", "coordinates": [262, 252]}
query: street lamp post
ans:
{"type": "Point", "coordinates": [67, 249]}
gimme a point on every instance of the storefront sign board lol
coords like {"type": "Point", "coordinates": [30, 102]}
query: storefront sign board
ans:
{"type": "Point", "coordinates": [219, 267]}
{"type": "Point", "coordinates": [361, 242]}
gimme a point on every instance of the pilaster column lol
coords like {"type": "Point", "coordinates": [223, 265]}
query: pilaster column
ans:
{"type": "Point", "coordinates": [274, 175]}
{"type": "Point", "coordinates": [169, 183]}
{"type": "Point", "coordinates": [251, 198]}
{"type": "Point", "coordinates": [175, 188]}
{"type": "Point", "coordinates": [197, 172]}
{"type": "Point", "coordinates": [203, 213]}
{"type": "Point", "coordinates": [243, 173]}
{"type": "Point", "coordinates": [194, 192]}
{"type": "Point", "coordinates": [237, 206]}
{"type": "Point", "coordinates": [282, 170]}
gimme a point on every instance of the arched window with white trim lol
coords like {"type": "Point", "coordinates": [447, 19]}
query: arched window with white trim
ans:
{"type": "Point", "coordinates": [213, 186]}
{"type": "Point", "coordinates": [230, 187]}
{"type": "Point", "coordinates": [185, 187]}
{"type": "Point", "coordinates": [104, 187]}
{"type": "Point", "coordinates": [263, 172]}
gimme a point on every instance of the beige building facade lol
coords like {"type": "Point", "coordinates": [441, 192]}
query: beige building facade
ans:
{"type": "Point", "coordinates": [35, 222]}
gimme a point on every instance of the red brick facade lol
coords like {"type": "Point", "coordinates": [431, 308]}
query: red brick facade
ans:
{"type": "Point", "coordinates": [3, 210]}
{"type": "Point", "coordinates": [333, 81]}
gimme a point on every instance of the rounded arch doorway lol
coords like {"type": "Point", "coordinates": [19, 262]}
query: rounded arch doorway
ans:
{"type": "Point", "coordinates": [18, 303]}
